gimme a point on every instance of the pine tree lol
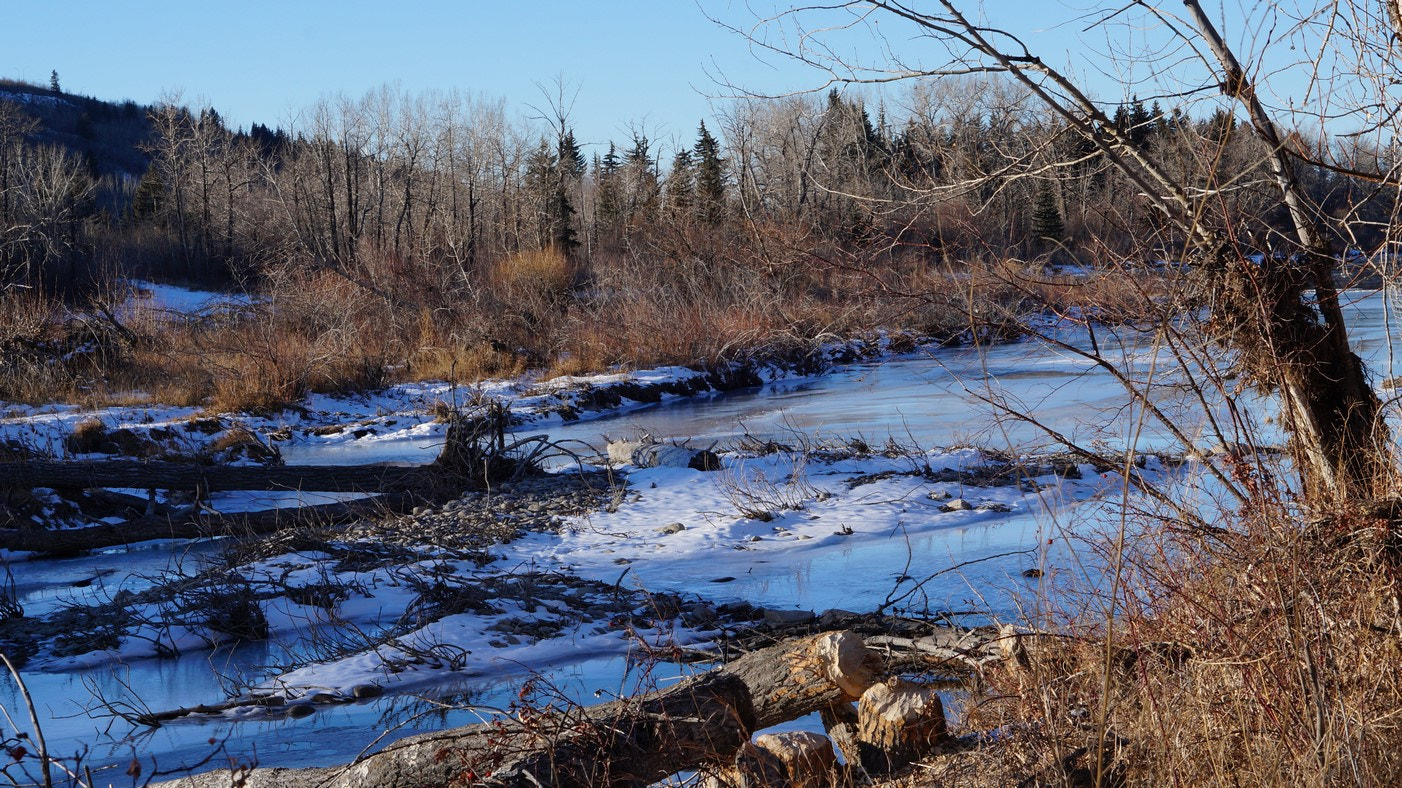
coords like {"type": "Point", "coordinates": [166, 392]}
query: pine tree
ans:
{"type": "Point", "coordinates": [53, 83]}
{"type": "Point", "coordinates": [710, 177]}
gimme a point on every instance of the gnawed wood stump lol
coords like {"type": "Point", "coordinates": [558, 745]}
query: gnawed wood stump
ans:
{"type": "Point", "coordinates": [840, 721]}
{"type": "Point", "coordinates": [898, 721]}
{"type": "Point", "coordinates": [793, 759]}
{"type": "Point", "coordinates": [801, 676]}
{"type": "Point", "coordinates": [808, 758]}
{"type": "Point", "coordinates": [753, 767]}
{"type": "Point", "coordinates": [706, 719]}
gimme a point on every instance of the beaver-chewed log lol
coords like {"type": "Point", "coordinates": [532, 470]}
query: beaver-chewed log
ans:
{"type": "Point", "coordinates": [704, 720]}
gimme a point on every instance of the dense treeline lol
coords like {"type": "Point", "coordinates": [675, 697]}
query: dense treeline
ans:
{"type": "Point", "coordinates": [436, 235]}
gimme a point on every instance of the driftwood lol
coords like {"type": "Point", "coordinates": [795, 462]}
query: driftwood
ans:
{"type": "Point", "coordinates": [217, 478]}
{"type": "Point", "coordinates": [707, 719]}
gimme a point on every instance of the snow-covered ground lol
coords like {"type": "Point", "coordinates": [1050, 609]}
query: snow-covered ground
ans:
{"type": "Point", "coordinates": [819, 525]}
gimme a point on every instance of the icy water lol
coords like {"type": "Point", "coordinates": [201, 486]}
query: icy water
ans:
{"type": "Point", "coordinates": [929, 400]}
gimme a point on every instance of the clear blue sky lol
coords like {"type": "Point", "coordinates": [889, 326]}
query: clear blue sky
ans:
{"type": "Point", "coordinates": [645, 64]}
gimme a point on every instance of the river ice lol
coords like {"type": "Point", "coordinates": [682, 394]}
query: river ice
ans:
{"type": "Point", "coordinates": [826, 544]}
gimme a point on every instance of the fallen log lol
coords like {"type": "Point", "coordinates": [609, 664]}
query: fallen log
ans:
{"type": "Point", "coordinates": [706, 719]}
{"type": "Point", "coordinates": [159, 475]}
{"type": "Point", "coordinates": [196, 525]}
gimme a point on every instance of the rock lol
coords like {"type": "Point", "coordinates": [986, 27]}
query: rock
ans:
{"type": "Point", "coordinates": [774, 616]}
{"type": "Point", "coordinates": [301, 710]}
{"type": "Point", "coordinates": [700, 612]}
{"type": "Point", "coordinates": [1031, 573]}
{"type": "Point", "coordinates": [646, 454]}
{"type": "Point", "coordinates": [739, 609]}
{"type": "Point", "coordinates": [837, 618]}
{"type": "Point", "coordinates": [363, 691]}
{"type": "Point", "coordinates": [938, 495]}
{"type": "Point", "coordinates": [958, 505]}
{"type": "Point", "coordinates": [671, 528]}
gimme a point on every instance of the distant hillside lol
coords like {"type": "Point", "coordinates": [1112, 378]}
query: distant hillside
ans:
{"type": "Point", "coordinates": [108, 135]}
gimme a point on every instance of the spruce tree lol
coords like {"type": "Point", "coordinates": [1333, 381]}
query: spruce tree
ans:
{"type": "Point", "coordinates": [53, 83]}
{"type": "Point", "coordinates": [1047, 226]}
{"type": "Point", "coordinates": [547, 182]}
{"type": "Point", "coordinates": [641, 180]}
{"type": "Point", "coordinates": [610, 192]}
{"type": "Point", "coordinates": [710, 177]}
{"type": "Point", "coordinates": [681, 185]}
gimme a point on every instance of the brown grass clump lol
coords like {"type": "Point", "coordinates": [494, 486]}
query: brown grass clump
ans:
{"type": "Point", "coordinates": [87, 437]}
{"type": "Point", "coordinates": [545, 273]}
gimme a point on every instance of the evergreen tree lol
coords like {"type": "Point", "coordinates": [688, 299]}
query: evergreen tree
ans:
{"type": "Point", "coordinates": [570, 157]}
{"type": "Point", "coordinates": [53, 83]}
{"type": "Point", "coordinates": [1047, 226]}
{"type": "Point", "coordinates": [681, 185]}
{"type": "Point", "coordinates": [548, 187]}
{"type": "Point", "coordinates": [611, 211]}
{"type": "Point", "coordinates": [710, 177]}
{"type": "Point", "coordinates": [150, 195]}
{"type": "Point", "coordinates": [641, 181]}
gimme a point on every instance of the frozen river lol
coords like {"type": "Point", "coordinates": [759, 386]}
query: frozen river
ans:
{"type": "Point", "coordinates": [930, 400]}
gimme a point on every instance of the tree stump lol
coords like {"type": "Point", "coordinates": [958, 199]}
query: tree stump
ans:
{"type": "Point", "coordinates": [898, 721]}
{"type": "Point", "coordinates": [808, 758]}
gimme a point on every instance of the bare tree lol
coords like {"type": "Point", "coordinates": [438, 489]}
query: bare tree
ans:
{"type": "Point", "coordinates": [1281, 314]}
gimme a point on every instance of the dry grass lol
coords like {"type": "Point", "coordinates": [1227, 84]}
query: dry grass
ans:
{"type": "Point", "coordinates": [387, 320]}
{"type": "Point", "coordinates": [1265, 655]}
